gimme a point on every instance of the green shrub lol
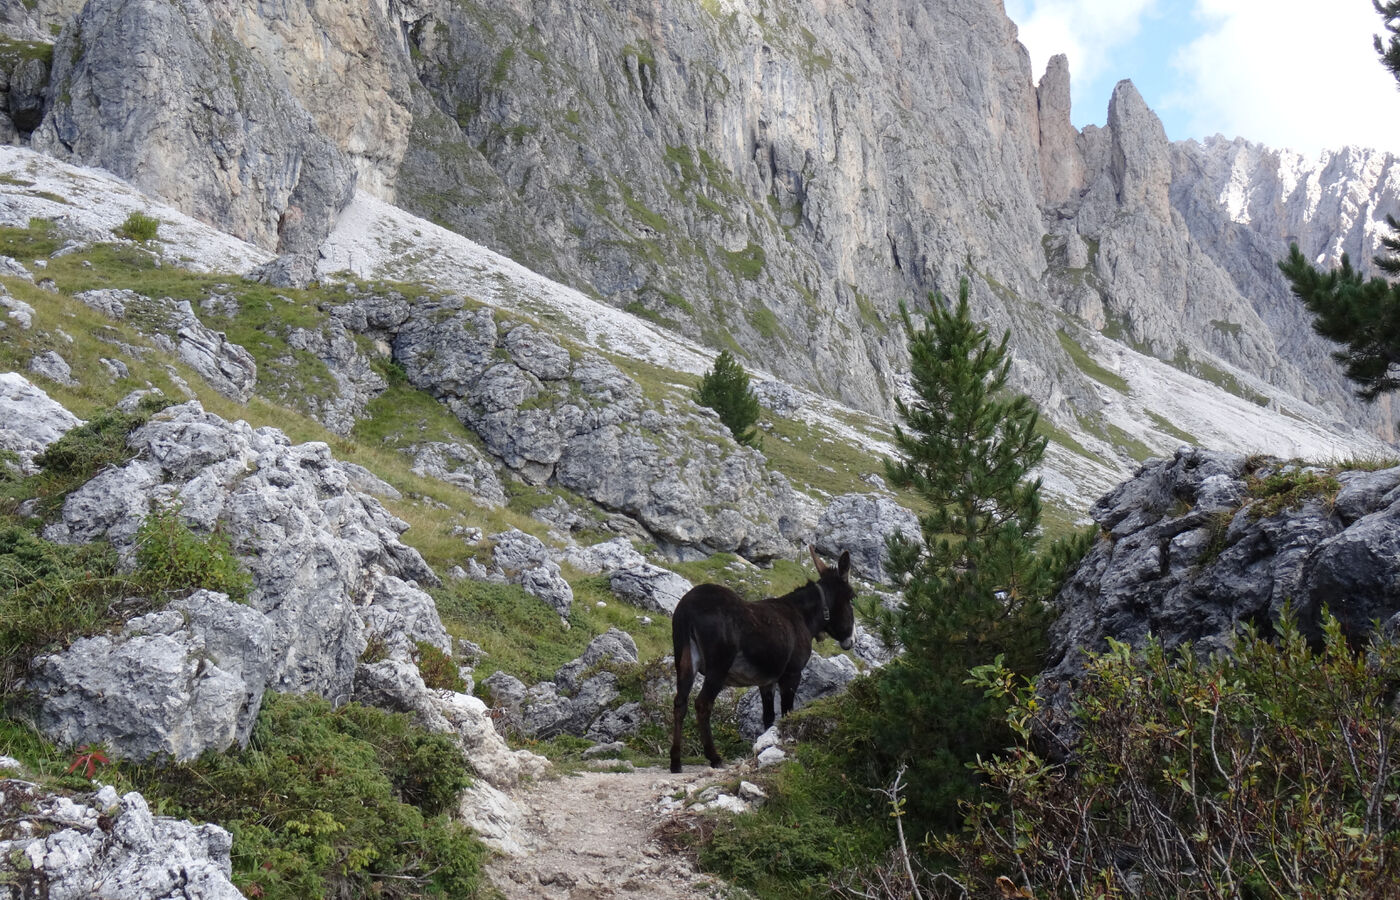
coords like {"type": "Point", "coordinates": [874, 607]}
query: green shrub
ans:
{"type": "Point", "coordinates": [820, 819]}
{"type": "Point", "coordinates": [438, 669]}
{"type": "Point", "coordinates": [329, 802]}
{"type": "Point", "coordinates": [1274, 772]}
{"type": "Point", "coordinates": [725, 389]}
{"type": "Point", "coordinates": [170, 556]}
{"type": "Point", "coordinates": [138, 227]}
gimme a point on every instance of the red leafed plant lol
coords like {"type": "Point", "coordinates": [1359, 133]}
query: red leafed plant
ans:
{"type": "Point", "coordinates": [88, 758]}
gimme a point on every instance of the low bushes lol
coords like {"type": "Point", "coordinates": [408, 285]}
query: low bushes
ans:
{"type": "Point", "coordinates": [324, 802]}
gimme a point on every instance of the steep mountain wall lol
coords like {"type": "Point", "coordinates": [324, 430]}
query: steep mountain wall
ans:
{"type": "Point", "coordinates": [769, 176]}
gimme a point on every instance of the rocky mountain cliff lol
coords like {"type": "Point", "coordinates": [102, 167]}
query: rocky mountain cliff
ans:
{"type": "Point", "coordinates": [767, 176]}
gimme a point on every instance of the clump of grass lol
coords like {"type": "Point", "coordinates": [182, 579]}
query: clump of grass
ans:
{"type": "Point", "coordinates": [138, 227]}
{"type": "Point", "coordinates": [172, 557]}
{"type": "Point", "coordinates": [1288, 489]}
{"type": "Point", "coordinates": [438, 670]}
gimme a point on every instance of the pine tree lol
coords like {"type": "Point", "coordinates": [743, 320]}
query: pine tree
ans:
{"type": "Point", "coordinates": [725, 389]}
{"type": "Point", "coordinates": [1363, 315]}
{"type": "Point", "coordinates": [973, 587]}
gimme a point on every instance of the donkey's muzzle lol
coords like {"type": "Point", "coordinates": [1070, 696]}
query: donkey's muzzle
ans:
{"type": "Point", "coordinates": [848, 643]}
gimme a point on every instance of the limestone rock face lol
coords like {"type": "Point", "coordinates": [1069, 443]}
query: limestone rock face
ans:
{"type": "Point", "coordinates": [328, 573]}
{"type": "Point", "coordinates": [1186, 556]}
{"type": "Point", "coordinates": [113, 842]}
{"type": "Point", "coordinates": [169, 97]}
{"type": "Point", "coordinates": [29, 420]}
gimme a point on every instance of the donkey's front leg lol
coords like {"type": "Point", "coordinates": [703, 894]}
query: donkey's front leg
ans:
{"type": "Point", "coordinates": [765, 691]}
{"type": "Point", "coordinates": [788, 686]}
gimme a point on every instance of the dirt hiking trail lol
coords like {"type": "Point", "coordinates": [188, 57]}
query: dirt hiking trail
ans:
{"type": "Point", "coordinates": [593, 835]}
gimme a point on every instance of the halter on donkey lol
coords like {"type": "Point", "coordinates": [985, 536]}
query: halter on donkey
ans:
{"type": "Point", "coordinates": [735, 643]}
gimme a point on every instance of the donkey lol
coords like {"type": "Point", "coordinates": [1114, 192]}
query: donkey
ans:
{"type": "Point", "coordinates": [736, 643]}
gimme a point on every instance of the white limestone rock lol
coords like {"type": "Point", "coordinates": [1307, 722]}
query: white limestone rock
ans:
{"type": "Point", "coordinates": [115, 844]}
{"type": "Point", "coordinates": [29, 420]}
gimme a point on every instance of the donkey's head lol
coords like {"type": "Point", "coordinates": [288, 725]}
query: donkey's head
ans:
{"type": "Point", "coordinates": [837, 596]}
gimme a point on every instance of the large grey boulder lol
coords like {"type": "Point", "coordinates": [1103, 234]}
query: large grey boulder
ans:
{"type": "Point", "coordinates": [109, 847]}
{"type": "Point", "coordinates": [523, 559]}
{"type": "Point", "coordinates": [861, 523]}
{"type": "Point", "coordinates": [461, 465]}
{"type": "Point", "coordinates": [1185, 556]}
{"type": "Point", "coordinates": [327, 565]}
{"type": "Point", "coordinates": [171, 683]}
{"type": "Point", "coordinates": [51, 365]}
{"type": "Point", "coordinates": [650, 587]}
{"type": "Point", "coordinates": [571, 703]}
{"type": "Point", "coordinates": [29, 420]}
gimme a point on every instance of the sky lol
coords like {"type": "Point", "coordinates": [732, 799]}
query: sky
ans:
{"type": "Point", "coordinates": [1296, 74]}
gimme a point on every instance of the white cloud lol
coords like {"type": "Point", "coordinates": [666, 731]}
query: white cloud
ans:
{"type": "Point", "coordinates": [1300, 74]}
{"type": "Point", "coordinates": [1088, 31]}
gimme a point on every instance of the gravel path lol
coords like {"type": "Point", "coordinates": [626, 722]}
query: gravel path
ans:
{"type": "Point", "coordinates": [593, 835]}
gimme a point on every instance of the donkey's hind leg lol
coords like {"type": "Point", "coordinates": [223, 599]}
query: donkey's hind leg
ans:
{"type": "Point", "coordinates": [716, 670]}
{"type": "Point", "coordinates": [685, 678]}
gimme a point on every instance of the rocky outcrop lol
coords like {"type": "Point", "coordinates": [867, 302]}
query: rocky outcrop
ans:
{"type": "Point", "coordinates": [861, 524]}
{"type": "Point", "coordinates": [571, 703]}
{"type": "Point", "coordinates": [29, 420]}
{"type": "Point", "coordinates": [579, 421]}
{"type": "Point", "coordinates": [523, 559]}
{"type": "Point", "coordinates": [356, 381]}
{"type": "Point", "coordinates": [108, 846]}
{"type": "Point", "coordinates": [171, 683]}
{"type": "Point", "coordinates": [462, 465]}
{"type": "Point", "coordinates": [328, 572]}
{"type": "Point", "coordinates": [1196, 546]}
{"type": "Point", "coordinates": [173, 325]}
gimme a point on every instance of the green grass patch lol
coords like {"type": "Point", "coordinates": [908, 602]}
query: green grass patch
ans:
{"type": "Point", "coordinates": [138, 227]}
{"type": "Point", "coordinates": [820, 819]}
{"type": "Point", "coordinates": [522, 636]}
{"type": "Point", "coordinates": [1122, 439]}
{"type": "Point", "coordinates": [745, 264]}
{"type": "Point", "coordinates": [1217, 376]}
{"type": "Point", "coordinates": [1288, 489]}
{"type": "Point", "coordinates": [1086, 364]}
{"type": "Point", "coordinates": [1166, 427]}
{"type": "Point", "coordinates": [13, 52]}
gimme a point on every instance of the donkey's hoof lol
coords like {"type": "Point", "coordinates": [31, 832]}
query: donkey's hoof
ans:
{"type": "Point", "coordinates": [716, 763]}
{"type": "Point", "coordinates": [675, 768]}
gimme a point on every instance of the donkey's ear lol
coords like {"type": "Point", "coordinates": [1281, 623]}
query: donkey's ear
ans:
{"type": "Point", "coordinates": [816, 560]}
{"type": "Point", "coordinates": [843, 565]}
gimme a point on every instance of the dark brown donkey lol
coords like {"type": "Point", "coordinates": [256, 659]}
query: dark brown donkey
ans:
{"type": "Point", "coordinates": [736, 643]}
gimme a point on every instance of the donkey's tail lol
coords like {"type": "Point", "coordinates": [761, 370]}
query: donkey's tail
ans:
{"type": "Point", "coordinates": [682, 626]}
